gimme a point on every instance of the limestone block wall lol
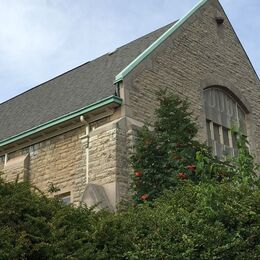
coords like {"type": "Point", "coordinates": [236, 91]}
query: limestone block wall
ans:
{"type": "Point", "coordinates": [59, 161]}
{"type": "Point", "coordinates": [127, 134]}
{"type": "Point", "coordinates": [200, 54]}
{"type": "Point", "coordinates": [72, 161]}
{"type": "Point", "coordinates": [102, 155]}
{"type": "Point", "coordinates": [16, 169]}
{"type": "Point", "coordinates": [109, 159]}
{"type": "Point", "coordinates": [123, 178]}
{"type": "Point", "coordinates": [124, 149]}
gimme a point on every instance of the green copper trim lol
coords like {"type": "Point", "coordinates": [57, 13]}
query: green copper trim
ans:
{"type": "Point", "coordinates": [61, 119]}
{"type": "Point", "coordinates": [155, 44]}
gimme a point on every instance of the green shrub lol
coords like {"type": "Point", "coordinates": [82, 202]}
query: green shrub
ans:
{"type": "Point", "coordinates": [205, 221]}
{"type": "Point", "coordinates": [36, 227]}
{"type": "Point", "coordinates": [213, 220]}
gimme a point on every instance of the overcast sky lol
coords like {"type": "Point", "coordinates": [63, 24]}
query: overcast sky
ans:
{"type": "Point", "coordinates": [40, 39]}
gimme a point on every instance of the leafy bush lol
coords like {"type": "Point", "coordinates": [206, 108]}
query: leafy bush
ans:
{"type": "Point", "coordinates": [204, 221]}
{"type": "Point", "coordinates": [213, 220]}
{"type": "Point", "coordinates": [36, 227]}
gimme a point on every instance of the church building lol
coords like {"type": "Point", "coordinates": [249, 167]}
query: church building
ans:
{"type": "Point", "coordinates": [76, 131]}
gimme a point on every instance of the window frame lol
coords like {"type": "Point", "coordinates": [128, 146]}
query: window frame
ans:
{"type": "Point", "coordinates": [64, 195]}
{"type": "Point", "coordinates": [219, 145]}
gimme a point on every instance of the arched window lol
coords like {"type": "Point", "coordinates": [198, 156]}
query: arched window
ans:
{"type": "Point", "coordinates": [223, 113]}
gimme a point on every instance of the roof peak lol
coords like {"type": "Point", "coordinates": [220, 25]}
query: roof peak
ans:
{"type": "Point", "coordinates": [120, 76]}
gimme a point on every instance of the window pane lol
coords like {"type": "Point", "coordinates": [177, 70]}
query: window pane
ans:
{"type": "Point", "coordinates": [225, 136]}
{"type": "Point", "coordinates": [228, 152]}
{"type": "Point", "coordinates": [209, 133]}
{"type": "Point", "coordinates": [216, 133]}
{"type": "Point", "coordinates": [219, 150]}
{"type": "Point", "coordinates": [65, 198]}
{"type": "Point", "coordinates": [234, 141]}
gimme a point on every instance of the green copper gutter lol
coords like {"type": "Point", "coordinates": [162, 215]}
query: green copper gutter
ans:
{"type": "Point", "coordinates": [155, 44]}
{"type": "Point", "coordinates": [56, 121]}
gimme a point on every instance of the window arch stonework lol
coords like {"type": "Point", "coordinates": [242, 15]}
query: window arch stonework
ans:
{"type": "Point", "coordinates": [224, 112]}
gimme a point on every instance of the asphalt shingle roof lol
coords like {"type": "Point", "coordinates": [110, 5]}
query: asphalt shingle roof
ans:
{"type": "Point", "coordinates": [70, 91]}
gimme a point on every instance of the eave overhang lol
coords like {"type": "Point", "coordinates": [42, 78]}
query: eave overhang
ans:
{"type": "Point", "coordinates": [109, 101]}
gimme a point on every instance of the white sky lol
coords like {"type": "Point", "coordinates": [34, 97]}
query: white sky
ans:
{"type": "Point", "coordinates": [40, 39]}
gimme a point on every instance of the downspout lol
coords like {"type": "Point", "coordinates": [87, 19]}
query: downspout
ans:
{"type": "Point", "coordinates": [85, 122]}
{"type": "Point", "coordinates": [6, 158]}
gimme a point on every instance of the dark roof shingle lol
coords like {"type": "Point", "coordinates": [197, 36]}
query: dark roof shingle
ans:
{"type": "Point", "coordinates": [70, 91]}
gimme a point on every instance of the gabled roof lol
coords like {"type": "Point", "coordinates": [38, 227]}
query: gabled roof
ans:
{"type": "Point", "coordinates": [156, 43]}
{"type": "Point", "coordinates": [71, 91]}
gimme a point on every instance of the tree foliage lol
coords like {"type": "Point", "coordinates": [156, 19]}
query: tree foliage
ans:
{"type": "Point", "coordinates": [213, 220]}
{"type": "Point", "coordinates": [169, 155]}
{"type": "Point", "coordinates": [165, 155]}
{"type": "Point", "coordinates": [36, 227]}
{"type": "Point", "coordinates": [204, 221]}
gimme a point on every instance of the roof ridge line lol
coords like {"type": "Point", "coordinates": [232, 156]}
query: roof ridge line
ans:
{"type": "Point", "coordinates": [154, 45]}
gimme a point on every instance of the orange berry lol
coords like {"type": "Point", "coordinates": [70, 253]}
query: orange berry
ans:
{"type": "Point", "coordinates": [138, 174]}
{"type": "Point", "coordinates": [144, 197]}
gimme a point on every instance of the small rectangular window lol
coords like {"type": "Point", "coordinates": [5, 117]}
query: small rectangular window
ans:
{"type": "Point", "coordinates": [64, 197]}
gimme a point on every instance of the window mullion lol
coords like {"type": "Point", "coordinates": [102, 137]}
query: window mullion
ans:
{"type": "Point", "coordinates": [211, 130]}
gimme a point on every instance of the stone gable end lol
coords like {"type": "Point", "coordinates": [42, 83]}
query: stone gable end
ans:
{"type": "Point", "coordinates": [199, 54]}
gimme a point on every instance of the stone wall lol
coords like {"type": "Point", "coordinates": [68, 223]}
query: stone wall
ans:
{"type": "Point", "coordinates": [109, 152]}
{"type": "Point", "coordinates": [16, 169]}
{"type": "Point", "coordinates": [62, 162]}
{"type": "Point", "coordinates": [102, 155]}
{"type": "Point", "coordinates": [59, 161]}
{"type": "Point", "coordinates": [200, 54]}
